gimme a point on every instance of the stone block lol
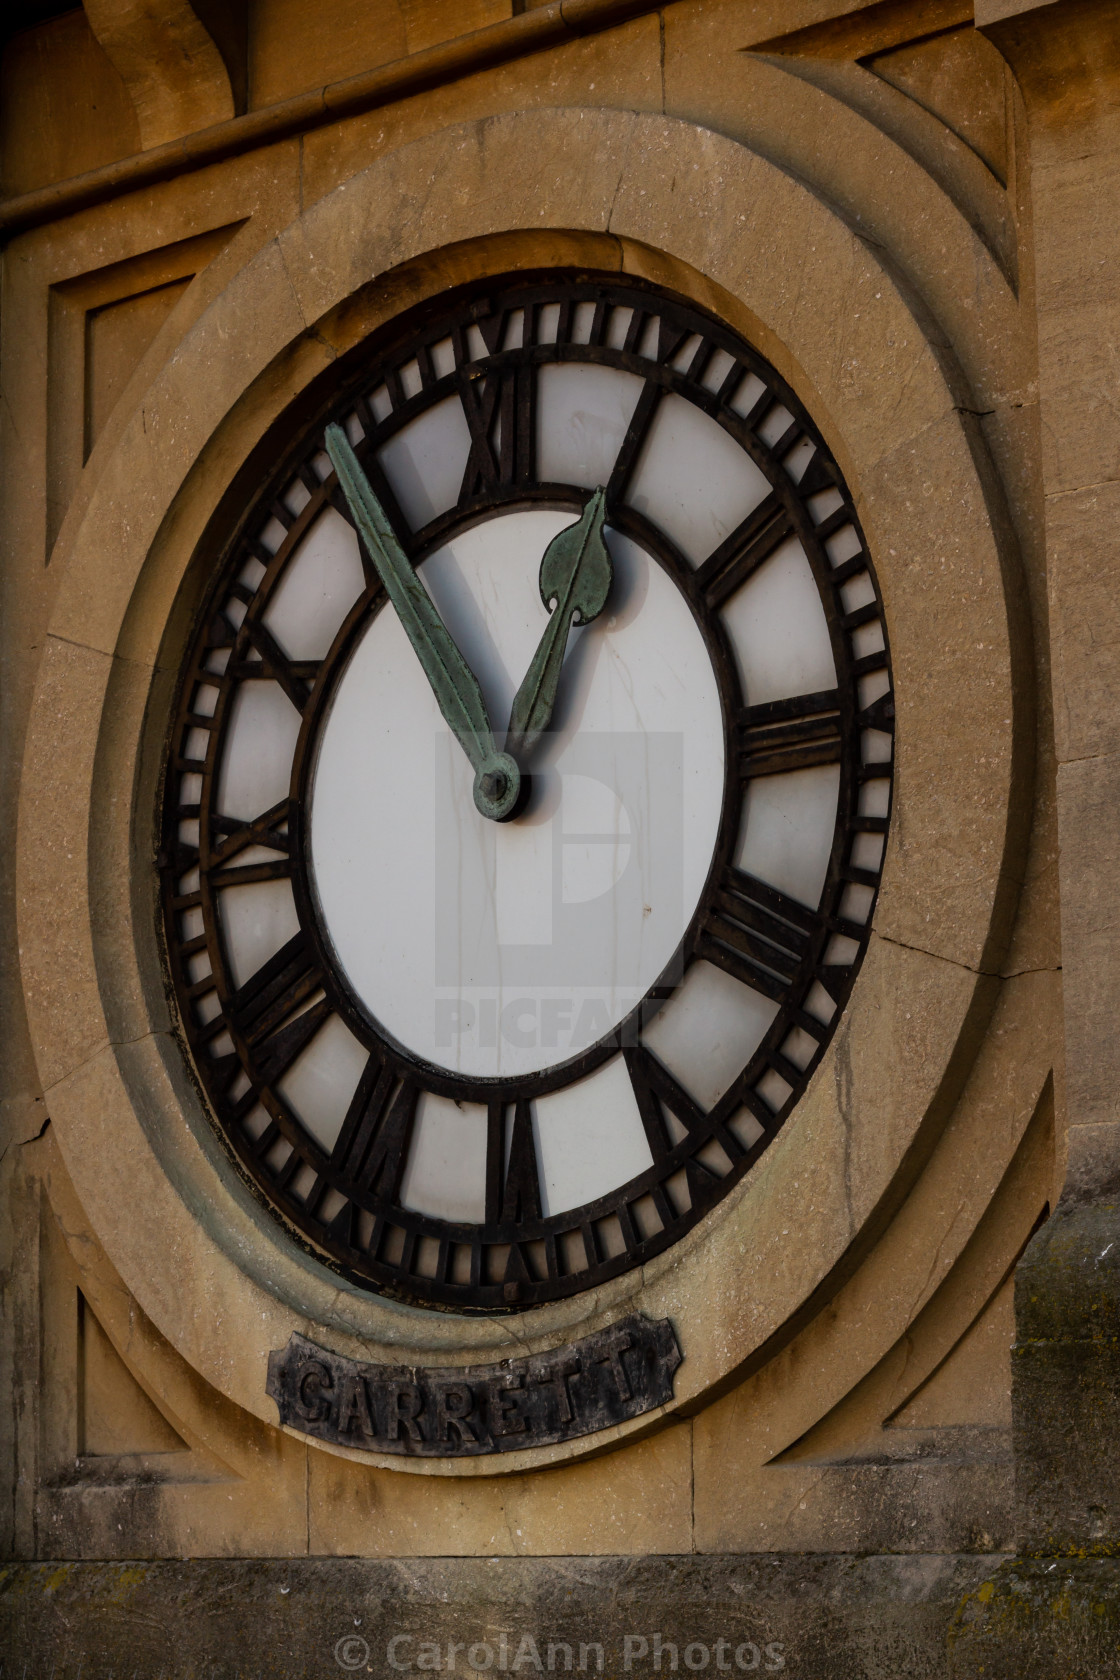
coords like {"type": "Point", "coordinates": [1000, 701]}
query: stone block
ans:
{"type": "Point", "coordinates": [1066, 1384]}
{"type": "Point", "coordinates": [819, 1618]}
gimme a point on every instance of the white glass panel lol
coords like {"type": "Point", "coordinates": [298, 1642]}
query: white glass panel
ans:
{"type": "Point", "coordinates": [258, 920]}
{"type": "Point", "coordinates": [197, 745]}
{"type": "Point", "coordinates": [443, 358]}
{"type": "Point", "coordinates": [868, 639]}
{"type": "Point", "coordinates": [257, 1121]}
{"type": "Point", "coordinates": [191, 924]}
{"type": "Point", "coordinates": [446, 1171]}
{"type": "Point", "coordinates": [787, 836]}
{"type": "Point", "coordinates": [683, 358]}
{"type": "Point", "coordinates": [583, 319]}
{"type": "Point", "coordinates": [693, 480]}
{"type": "Point", "coordinates": [296, 496]}
{"type": "Point", "coordinates": [647, 344]}
{"type": "Point", "coordinates": [867, 851]}
{"type": "Point", "coordinates": [778, 630]}
{"type": "Point", "coordinates": [590, 1138]}
{"type": "Point", "coordinates": [257, 854]}
{"type": "Point", "coordinates": [819, 1004]}
{"type": "Point", "coordinates": [261, 742]}
{"type": "Point", "coordinates": [273, 535]}
{"type": "Point", "coordinates": [872, 687]}
{"type": "Point", "coordinates": [876, 746]}
{"type": "Point", "coordinates": [799, 1048]}
{"type": "Point", "coordinates": [548, 320]}
{"type": "Point", "coordinates": [745, 1127]}
{"type": "Point", "coordinates": [824, 503]}
{"type": "Point", "coordinates": [425, 461]}
{"type": "Point", "coordinates": [875, 798]}
{"type": "Point", "coordinates": [207, 1008]}
{"type": "Point", "coordinates": [772, 1088]}
{"type": "Point", "coordinates": [709, 1030]}
{"type": "Point", "coordinates": [855, 905]}
{"type": "Point", "coordinates": [619, 326]}
{"type": "Point", "coordinates": [843, 544]}
{"type": "Point", "coordinates": [775, 424]}
{"type": "Point", "coordinates": [321, 1083]}
{"type": "Point", "coordinates": [320, 584]}
{"type": "Point", "coordinates": [410, 378]}
{"type": "Point", "coordinates": [381, 405]}
{"type": "Point", "coordinates": [747, 395]}
{"type": "Point", "coordinates": [857, 592]}
{"type": "Point", "coordinates": [582, 416]}
{"type": "Point", "coordinates": [235, 610]}
{"type": "Point", "coordinates": [717, 370]}
{"type": "Point", "coordinates": [796, 462]}
{"type": "Point", "coordinates": [841, 951]}
{"type": "Point", "coordinates": [456, 932]}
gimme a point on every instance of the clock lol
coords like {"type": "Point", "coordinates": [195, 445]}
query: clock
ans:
{"type": "Point", "coordinates": [526, 793]}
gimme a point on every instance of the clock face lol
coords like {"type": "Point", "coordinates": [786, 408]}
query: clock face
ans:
{"type": "Point", "coordinates": [483, 1063]}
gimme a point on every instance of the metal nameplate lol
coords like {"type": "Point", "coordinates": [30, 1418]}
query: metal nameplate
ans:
{"type": "Point", "coordinates": [464, 1411]}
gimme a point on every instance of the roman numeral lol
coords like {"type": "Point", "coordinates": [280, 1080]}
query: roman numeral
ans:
{"type": "Point", "coordinates": [745, 550]}
{"type": "Point", "coordinates": [513, 1193]}
{"type": "Point", "coordinates": [756, 933]}
{"type": "Point", "coordinates": [521, 1193]}
{"type": "Point", "coordinates": [263, 1012]}
{"type": "Point", "coordinates": [655, 1091]}
{"type": "Point", "coordinates": [793, 734]}
{"type": "Point", "coordinates": [499, 413]}
{"type": "Point", "coordinates": [295, 676]}
{"type": "Point", "coordinates": [372, 1147]}
{"type": "Point", "coordinates": [383, 1168]}
{"type": "Point", "coordinates": [271, 830]}
{"type": "Point", "coordinates": [653, 1086]}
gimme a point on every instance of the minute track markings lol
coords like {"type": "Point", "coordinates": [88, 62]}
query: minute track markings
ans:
{"type": "Point", "coordinates": [771, 942]}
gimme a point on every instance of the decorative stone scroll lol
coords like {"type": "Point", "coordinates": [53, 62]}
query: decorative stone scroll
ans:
{"type": "Point", "coordinates": [464, 1411]}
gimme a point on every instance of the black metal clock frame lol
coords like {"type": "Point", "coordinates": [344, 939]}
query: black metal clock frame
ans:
{"type": "Point", "coordinates": [345, 1203]}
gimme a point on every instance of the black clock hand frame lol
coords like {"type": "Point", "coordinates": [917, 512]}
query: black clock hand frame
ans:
{"type": "Point", "coordinates": [497, 783]}
{"type": "Point", "coordinates": [575, 581]}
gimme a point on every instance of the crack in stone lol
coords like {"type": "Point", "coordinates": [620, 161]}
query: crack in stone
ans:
{"type": "Point", "coordinates": [937, 956]}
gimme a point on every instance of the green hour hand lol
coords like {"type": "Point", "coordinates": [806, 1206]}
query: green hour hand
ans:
{"type": "Point", "coordinates": [497, 782]}
{"type": "Point", "coordinates": [575, 582]}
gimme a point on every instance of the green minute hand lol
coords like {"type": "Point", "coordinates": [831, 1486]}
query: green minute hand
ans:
{"type": "Point", "coordinates": [497, 782]}
{"type": "Point", "coordinates": [575, 582]}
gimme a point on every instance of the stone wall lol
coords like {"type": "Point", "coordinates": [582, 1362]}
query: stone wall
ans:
{"type": "Point", "coordinates": [887, 1444]}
